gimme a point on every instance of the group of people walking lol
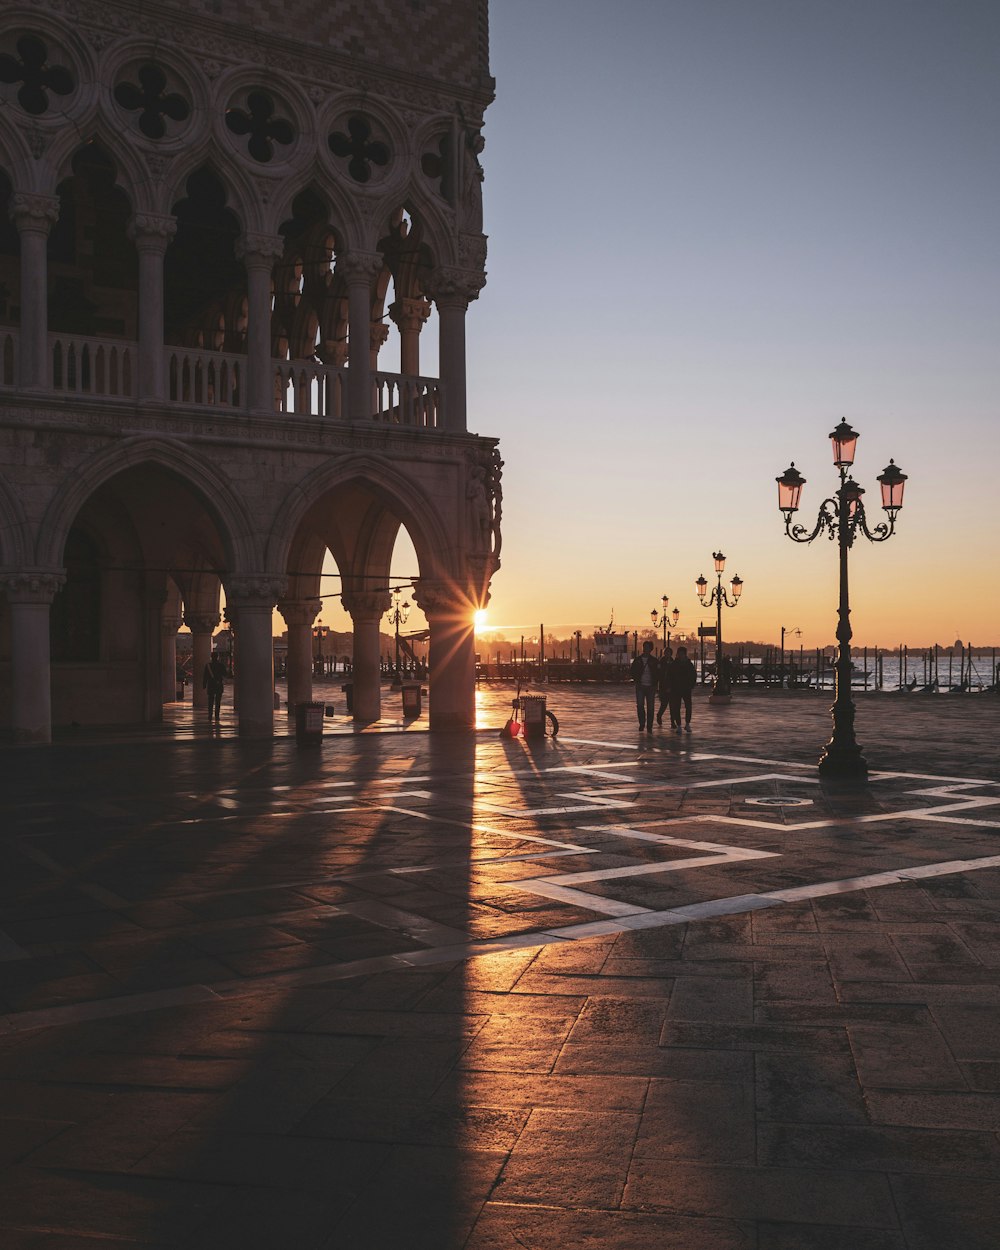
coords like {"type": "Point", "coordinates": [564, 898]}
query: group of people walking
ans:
{"type": "Point", "coordinates": [671, 678]}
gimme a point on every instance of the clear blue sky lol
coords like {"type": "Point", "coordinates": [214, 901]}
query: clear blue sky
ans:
{"type": "Point", "coordinates": [716, 227]}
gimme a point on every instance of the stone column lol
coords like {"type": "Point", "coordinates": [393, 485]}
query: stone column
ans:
{"type": "Point", "coordinates": [452, 291]}
{"type": "Point", "coordinates": [168, 658]}
{"type": "Point", "coordinates": [202, 627]}
{"type": "Point", "coordinates": [34, 216]}
{"type": "Point", "coordinates": [367, 608]}
{"type": "Point", "coordinates": [452, 654]}
{"type": "Point", "coordinates": [250, 601]}
{"type": "Point", "coordinates": [409, 316]}
{"type": "Point", "coordinates": [258, 253]}
{"type": "Point", "coordinates": [299, 615]}
{"type": "Point", "coordinates": [30, 596]}
{"type": "Point", "coordinates": [359, 270]}
{"type": "Point", "coordinates": [151, 235]}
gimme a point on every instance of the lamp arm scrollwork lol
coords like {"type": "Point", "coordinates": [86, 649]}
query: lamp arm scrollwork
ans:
{"type": "Point", "coordinates": [827, 519]}
{"type": "Point", "coordinates": [880, 533]}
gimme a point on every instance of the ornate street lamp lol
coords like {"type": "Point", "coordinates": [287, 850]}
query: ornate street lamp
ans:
{"type": "Point", "coordinates": [720, 688]}
{"type": "Point", "coordinates": [669, 620]}
{"type": "Point", "coordinates": [843, 516]}
{"type": "Point", "coordinates": [397, 614]}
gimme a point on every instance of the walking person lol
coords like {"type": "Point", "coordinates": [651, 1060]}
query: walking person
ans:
{"type": "Point", "coordinates": [644, 672]}
{"type": "Point", "coordinates": [663, 684]}
{"type": "Point", "coordinates": [682, 678]}
{"type": "Point", "coordinates": [214, 681]}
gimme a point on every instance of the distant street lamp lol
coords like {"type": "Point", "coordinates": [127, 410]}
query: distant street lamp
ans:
{"type": "Point", "coordinates": [669, 620]}
{"type": "Point", "coordinates": [794, 630]}
{"type": "Point", "coordinates": [843, 516]}
{"type": "Point", "coordinates": [397, 614]}
{"type": "Point", "coordinates": [720, 688]}
{"type": "Point", "coordinates": [319, 633]}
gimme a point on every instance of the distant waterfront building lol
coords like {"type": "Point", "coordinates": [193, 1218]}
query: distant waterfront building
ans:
{"type": "Point", "coordinates": [213, 216]}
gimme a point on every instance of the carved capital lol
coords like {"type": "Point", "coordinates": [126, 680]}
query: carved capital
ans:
{"type": "Point", "coordinates": [299, 611]}
{"type": "Point", "coordinates": [254, 590]}
{"type": "Point", "coordinates": [366, 605]}
{"type": "Point", "coordinates": [260, 250]}
{"type": "Point", "coordinates": [202, 623]}
{"type": "Point", "coordinates": [32, 585]}
{"type": "Point", "coordinates": [359, 267]}
{"type": "Point", "coordinates": [151, 231]}
{"type": "Point", "coordinates": [29, 211]}
{"type": "Point", "coordinates": [410, 314]}
{"type": "Point", "coordinates": [377, 334]}
{"type": "Point", "coordinates": [454, 288]}
{"type": "Point", "coordinates": [440, 598]}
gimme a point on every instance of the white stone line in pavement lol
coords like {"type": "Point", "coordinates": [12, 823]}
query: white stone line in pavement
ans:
{"type": "Point", "coordinates": [193, 995]}
{"type": "Point", "coordinates": [590, 803]}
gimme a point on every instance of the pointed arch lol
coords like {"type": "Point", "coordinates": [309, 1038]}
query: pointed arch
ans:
{"type": "Point", "coordinates": [410, 504]}
{"type": "Point", "coordinates": [230, 513]}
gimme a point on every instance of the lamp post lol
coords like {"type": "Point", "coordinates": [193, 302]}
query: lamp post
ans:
{"type": "Point", "coordinates": [669, 620]}
{"type": "Point", "coordinates": [718, 596]}
{"type": "Point", "coordinates": [397, 614]}
{"type": "Point", "coordinates": [843, 516]}
{"type": "Point", "coordinates": [798, 634]}
{"type": "Point", "coordinates": [319, 633]}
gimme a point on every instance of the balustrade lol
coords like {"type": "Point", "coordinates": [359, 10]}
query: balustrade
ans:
{"type": "Point", "coordinates": [311, 389]}
{"type": "Point", "coordinates": [206, 379]}
{"type": "Point", "coordinates": [107, 368]}
{"type": "Point", "coordinates": [89, 366]}
{"type": "Point", "coordinates": [400, 399]}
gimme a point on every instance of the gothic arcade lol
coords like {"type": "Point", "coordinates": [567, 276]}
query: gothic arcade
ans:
{"type": "Point", "coordinates": [208, 234]}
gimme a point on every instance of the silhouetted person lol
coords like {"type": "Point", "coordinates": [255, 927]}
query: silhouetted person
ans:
{"type": "Point", "coordinates": [644, 672]}
{"type": "Point", "coordinates": [682, 678]}
{"type": "Point", "coordinates": [214, 681]}
{"type": "Point", "coordinates": [663, 684]}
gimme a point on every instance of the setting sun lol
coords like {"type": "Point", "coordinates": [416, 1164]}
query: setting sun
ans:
{"type": "Point", "coordinates": [479, 619]}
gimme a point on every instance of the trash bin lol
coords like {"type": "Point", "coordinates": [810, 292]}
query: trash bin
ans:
{"type": "Point", "coordinates": [348, 690]}
{"type": "Point", "coordinates": [533, 715]}
{"type": "Point", "coordinates": [411, 699]}
{"type": "Point", "coordinates": [309, 724]}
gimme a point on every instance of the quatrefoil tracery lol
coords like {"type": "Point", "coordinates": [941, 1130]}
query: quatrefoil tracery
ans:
{"type": "Point", "coordinates": [36, 76]}
{"type": "Point", "coordinates": [150, 98]}
{"type": "Point", "coordinates": [362, 150]}
{"type": "Point", "coordinates": [259, 122]}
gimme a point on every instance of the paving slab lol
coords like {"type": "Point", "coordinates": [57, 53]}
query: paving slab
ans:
{"type": "Point", "coordinates": [609, 990]}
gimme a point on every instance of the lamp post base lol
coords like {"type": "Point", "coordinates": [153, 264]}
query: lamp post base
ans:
{"type": "Point", "coordinates": [720, 696]}
{"type": "Point", "coordinates": [842, 763]}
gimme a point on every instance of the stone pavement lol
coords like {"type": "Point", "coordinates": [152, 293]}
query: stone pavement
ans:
{"type": "Point", "coordinates": [612, 990]}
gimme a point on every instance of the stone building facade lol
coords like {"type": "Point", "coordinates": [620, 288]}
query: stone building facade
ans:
{"type": "Point", "coordinates": [213, 214]}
